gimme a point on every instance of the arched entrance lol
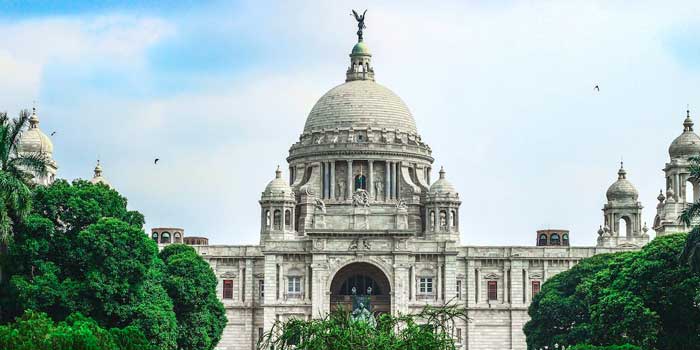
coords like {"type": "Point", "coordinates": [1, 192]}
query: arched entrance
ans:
{"type": "Point", "coordinates": [362, 276]}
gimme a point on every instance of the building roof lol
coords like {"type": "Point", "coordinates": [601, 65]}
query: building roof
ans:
{"type": "Point", "coordinates": [688, 143]}
{"type": "Point", "coordinates": [622, 189]}
{"type": "Point", "coordinates": [442, 185]}
{"type": "Point", "coordinates": [278, 186]}
{"type": "Point", "coordinates": [360, 104]}
{"type": "Point", "coordinates": [34, 140]}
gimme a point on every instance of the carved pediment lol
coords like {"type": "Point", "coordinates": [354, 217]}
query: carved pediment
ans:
{"type": "Point", "coordinates": [491, 276]}
{"type": "Point", "coordinates": [228, 274]}
{"type": "Point", "coordinates": [536, 276]}
{"type": "Point", "coordinates": [259, 275]}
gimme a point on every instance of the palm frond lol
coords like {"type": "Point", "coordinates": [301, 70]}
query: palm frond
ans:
{"type": "Point", "coordinates": [689, 213]}
{"type": "Point", "coordinates": [35, 163]}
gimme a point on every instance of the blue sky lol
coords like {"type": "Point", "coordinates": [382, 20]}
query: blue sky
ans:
{"type": "Point", "coordinates": [502, 91]}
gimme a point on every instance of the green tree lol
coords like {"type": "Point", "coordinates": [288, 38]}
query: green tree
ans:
{"type": "Point", "coordinates": [644, 298]}
{"type": "Point", "coordinates": [690, 216]}
{"type": "Point", "coordinates": [191, 283]}
{"type": "Point", "coordinates": [37, 331]}
{"type": "Point", "coordinates": [83, 251]}
{"type": "Point", "coordinates": [432, 328]}
{"type": "Point", "coordinates": [15, 174]}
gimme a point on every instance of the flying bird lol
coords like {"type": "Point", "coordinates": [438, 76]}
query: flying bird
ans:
{"type": "Point", "coordinates": [156, 161]}
{"type": "Point", "coordinates": [596, 88]}
{"type": "Point", "coordinates": [53, 133]}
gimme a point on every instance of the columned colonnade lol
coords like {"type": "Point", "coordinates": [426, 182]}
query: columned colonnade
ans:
{"type": "Point", "coordinates": [390, 188]}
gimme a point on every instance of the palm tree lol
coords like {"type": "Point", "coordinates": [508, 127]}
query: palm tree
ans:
{"type": "Point", "coordinates": [16, 172]}
{"type": "Point", "coordinates": [691, 251]}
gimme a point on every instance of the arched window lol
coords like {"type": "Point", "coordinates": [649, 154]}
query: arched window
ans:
{"type": "Point", "coordinates": [268, 219]}
{"type": "Point", "coordinates": [690, 196]}
{"type": "Point", "coordinates": [154, 235]}
{"type": "Point", "coordinates": [565, 239]}
{"type": "Point", "coordinates": [624, 226]}
{"type": "Point", "coordinates": [554, 239]}
{"type": "Point", "coordinates": [165, 237]}
{"type": "Point", "coordinates": [432, 218]}
{"type": "Point", "coordinates": [277, 219]}
{"type": "Point", "coordinates": [443, 220]}
{"type": "Point", "coordinates": [287, 218]}
{"type": "Point", "coordinates": [177, 237]}
{"type": "Point", "coordinates": [543, 240]}
{"type": "Point", "coordinates": [360, 182]}
{"type": "Point", "coordinates": [453, 218]}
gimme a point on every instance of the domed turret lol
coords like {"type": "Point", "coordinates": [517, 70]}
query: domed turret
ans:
{"type": "Point", "coordinates": [622, 215]}
{"type": "Point", "coordinates": [278, 186]}
{"type": "Point", "coordinates": [442, 186]}
{"type": "Point", "coordinates": [622, 189]}
{"type": "Point", "coordinates": [98, 178]}
{"type": "Point", "coordinates": [278, 208]}
{"type": "Point", "coordinates": [34, 141]}
{"type": "Point", "coordinates": [688, 143]}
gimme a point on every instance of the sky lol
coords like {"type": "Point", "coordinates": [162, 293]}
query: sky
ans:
{"type": "Point", "coordinates": [218, 91]}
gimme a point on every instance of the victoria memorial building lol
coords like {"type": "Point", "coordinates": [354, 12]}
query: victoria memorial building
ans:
{"type": "Point", "coordinates": [359, 207]}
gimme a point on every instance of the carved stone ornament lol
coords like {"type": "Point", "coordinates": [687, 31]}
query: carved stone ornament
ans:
{"type": "Point", "coordinates": [228, 274]}
{"type": "Point", "coordinates": [360, 198]}
{"type": "Point", "coordinates": [536, 276]}
{"type": "Point", "coordinates": [320, 205]}
{"type": "Point", "coordinates": [491, 276]}
{"type": "Point", "coordinates": [360, 244]}
{"type": "Point", "coordinates": [400, 204]}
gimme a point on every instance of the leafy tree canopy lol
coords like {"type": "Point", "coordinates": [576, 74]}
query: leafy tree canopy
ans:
{"type": "Point", "coordinates": [191, 283]}
{"type": "Point", "coordinates": [644, 298]}
{"type": "Point", "coordinates": [37, 331]}
{"type": "Point", "coordinates": [82, 251]}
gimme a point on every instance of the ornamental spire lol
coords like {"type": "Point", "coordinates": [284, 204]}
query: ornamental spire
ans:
{"type": "Point", "coordinates": [33, 119]}
{"type": "Point", "coordinates": [360, 57]}
{"type": "Point", "coordinates": [622, 173]}
{"type": "Point", "coordinates": [687, 123]}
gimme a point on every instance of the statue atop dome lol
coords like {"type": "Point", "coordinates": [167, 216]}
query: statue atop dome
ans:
{"type": "Point", "coordinates": [360, 23]}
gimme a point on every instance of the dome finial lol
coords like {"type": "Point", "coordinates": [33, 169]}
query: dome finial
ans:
{"type": "Point", "coordinates": [442, 172]}
{"type": "Point", "coordinates": [688, 123]}
{"type": "Point", "coordinates": [33, 119]}
{"type": "Point", "coordinates": [98, 169]}
{"type": "Point", "coordinates": [360, 23]}
{"type": "Point", "coordinates": [278, 173]}
{"type": "Point", "coordinates": [622, 173]}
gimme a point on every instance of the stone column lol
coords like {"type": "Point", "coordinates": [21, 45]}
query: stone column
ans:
{"type": "Point", "coordinates": [397, 179]}
{"type": "Point", "coordinates": [241, 274]}
{"type": "Point", "coordinates": [387, 184]}
{"type": "Point", "coordinates": [412, 282]}
{"type": "Point", "coordinates": [270, 288]}
{"type": "Point", "coordinates": [439, 281]}
{"type": "Point", "coordinates": [436, 219]}
{"type": "Point", "coordinates": [281, 282]}
{"type": "Point", "coordinates": [333, 180]}
{"type": "Point", "coordinates": [393, 180]}
{"type": "Point", "coordinates": [370, 179]}
{"type": "Point", "coordinates": [283, 225]}
{"type": "Point", "coordinates": [349, 186]}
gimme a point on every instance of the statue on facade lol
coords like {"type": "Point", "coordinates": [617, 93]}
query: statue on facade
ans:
{"type": "Point", "coordinates": [361, 308]}
{"type": "Point", "coordinates": [378, 188]}
{"type": "Point", "coordinates": [341, 189]}
{"type": "Point", "coordinates": [360, 23]}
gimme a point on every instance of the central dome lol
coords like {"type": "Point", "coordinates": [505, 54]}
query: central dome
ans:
{"type": "Point", "coordinates": [360, 104]}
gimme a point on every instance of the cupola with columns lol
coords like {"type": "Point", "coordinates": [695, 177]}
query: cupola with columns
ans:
{"type": "Point", "coordinates": [680, 187]}
{"type": "Point", "coordinates": [622, 215]}
{"type": "Point", "coordinates": [442, 208]}
{"type": "Point", "coordinates": [277, 209]}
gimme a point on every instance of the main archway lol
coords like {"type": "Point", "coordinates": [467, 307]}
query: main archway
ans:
{"type": "Point", "coordinates": [361, 276]}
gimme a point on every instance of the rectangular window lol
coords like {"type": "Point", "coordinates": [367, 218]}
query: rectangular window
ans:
{"type": "Point", "coordinates": [535, 288]}
{"type": "Point", "coordinates": [459, 335]}
{"type": "Point", "coordinates": [493, 290]}
{"type": "Point", "coordinates": [425, 285]}
{"type": "Point", "coordinates": [261, 289]}
{"type": "Point", "coordinates": [261, 333]}
{"type": "Point", "coordinates": [459, 290]}
{"type": "Point", "coordinates": [294, 285]}
{"type": "Point", "coordinates": [228, 289]}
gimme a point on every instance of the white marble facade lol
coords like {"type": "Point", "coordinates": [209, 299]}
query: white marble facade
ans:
{"type": "Point", "coordinates": [359, 208]}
